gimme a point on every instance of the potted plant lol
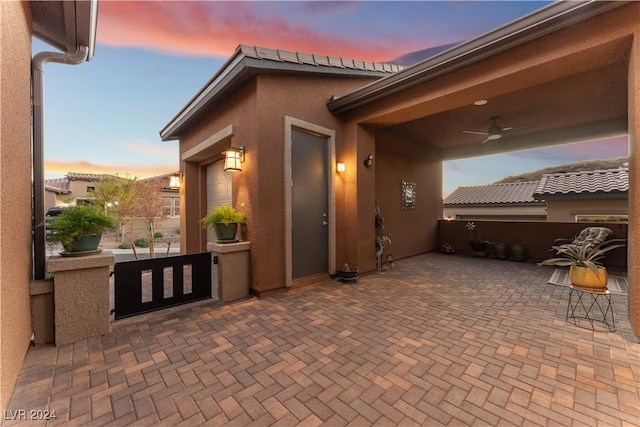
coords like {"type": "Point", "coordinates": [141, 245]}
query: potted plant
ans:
{"type": "Point", "coordinates": [478, 246]}
{"type": "Point", "coordinates": [518, 251]}
{"type": "Point", "coordinates": [224, 221]}
{"type": "Point", "coordinates": [348, 274]}
{"type": "Point", "coordinates": [586, 269]}
{"type": "Point", "coordinates": [79, 229]}
{"type": "Point", "coordinates": [498, 249]}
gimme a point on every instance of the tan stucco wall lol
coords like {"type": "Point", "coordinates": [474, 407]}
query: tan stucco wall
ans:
{"type": "Point", "coordinates": [566, 210]}
{"type": "Point", "coordinates": [413, 231]}
{"type": "Point", "coordinates": [15, 192]}
{"type": "Point", "coordinates": [257, 113]}
{"type": "Point", "coordinates": [633, 253]}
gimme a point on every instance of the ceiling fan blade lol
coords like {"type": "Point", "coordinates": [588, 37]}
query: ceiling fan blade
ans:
{"type": "Point", "coordinates": [474, 132]}
{"type": "Point", "coordinates": [485, 140]}
{"type": "Point", "coordinates": [518, 128]}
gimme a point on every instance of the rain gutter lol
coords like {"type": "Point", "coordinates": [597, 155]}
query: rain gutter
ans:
{"type": "Point", "coordinates": [549, 19]}
{"type": "Point", "coordinates": [37, 73]}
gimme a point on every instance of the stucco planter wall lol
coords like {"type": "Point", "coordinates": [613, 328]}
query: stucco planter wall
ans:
{"type": "Point", "coordinates": [81, 296]}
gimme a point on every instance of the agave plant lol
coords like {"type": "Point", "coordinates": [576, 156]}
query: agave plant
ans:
{"type": "Point", "coordinates": [585, 255]}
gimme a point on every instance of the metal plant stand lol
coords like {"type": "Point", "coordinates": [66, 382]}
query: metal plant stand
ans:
{"type": "Point", "coordinates": [592, 306]}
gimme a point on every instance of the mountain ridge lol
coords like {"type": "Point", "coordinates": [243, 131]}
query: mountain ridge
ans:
{"type": "Point", "coordinates": [585, 165]}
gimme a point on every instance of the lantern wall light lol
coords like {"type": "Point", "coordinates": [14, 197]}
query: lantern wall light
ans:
{"type": "Point", "coordinates": [233, 159]}
{"type": "Point", "coordinates": [341, 167]}
{"type": "Point", "coordinates": [175, 181]}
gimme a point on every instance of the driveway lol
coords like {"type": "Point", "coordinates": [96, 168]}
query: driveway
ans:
{"type": "Point", "coordinates": [439, 340]}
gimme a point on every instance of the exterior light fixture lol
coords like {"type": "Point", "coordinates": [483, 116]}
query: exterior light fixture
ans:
{"type": "Point", "coordinates": [341, 167]}
{"type": "Point", "coordinates": [175, 181]}
{"type": "Point", "coordinates": [368, 161]}
{"type": "Point", "coordinates": [233, 159]}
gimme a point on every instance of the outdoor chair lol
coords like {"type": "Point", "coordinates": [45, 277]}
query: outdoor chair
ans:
{"type": "Point", "coordinates": [591, 236]}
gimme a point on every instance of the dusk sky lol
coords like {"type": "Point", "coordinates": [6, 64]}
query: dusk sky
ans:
{"type": "Point", "coordinates": [151, 57]}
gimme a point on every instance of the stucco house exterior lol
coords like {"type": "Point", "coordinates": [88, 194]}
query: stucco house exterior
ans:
{"type": "Point", "coordinates": [391, 128]}
{"type": "Point", "coordinates": [295, 116]}
{"type": "Point", "coordinates": [69, 27]}
{"type": "Point", "coordinates": [511, 201]}
{"type": "Point", "coordinates": [595, 196]}
{"type": "Point", "coordinates": [586, 196]}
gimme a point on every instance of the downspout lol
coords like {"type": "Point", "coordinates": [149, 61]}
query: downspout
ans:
{"type": "Point", "coordinates": [37, 148]}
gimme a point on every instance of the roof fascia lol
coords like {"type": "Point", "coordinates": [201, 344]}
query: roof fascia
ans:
{"type": "Point", "coordinates": [66, 25]}
{"type": "Point", "coordinates": [237, 69]}
{"type": "Point", "coordinates": [537, 24]}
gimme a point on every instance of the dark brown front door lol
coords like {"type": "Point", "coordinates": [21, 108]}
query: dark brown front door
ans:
{"type": "Point", "coordinates": [310, 206]}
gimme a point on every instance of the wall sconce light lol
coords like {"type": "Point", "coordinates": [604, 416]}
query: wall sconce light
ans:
{"type": "Point", "coordinates": [233, 159]}
{"type": "Point", "coordinates": [341, 167]}
{"type": "Point", "coordinates": [368, 161]}
{"type": "Point", "coordinates": [175, 181]}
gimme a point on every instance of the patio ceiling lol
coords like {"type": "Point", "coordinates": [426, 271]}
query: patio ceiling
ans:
{"type": "Point", "coordinates": [591, 104]}
{"type": "Point", "coordinates": [567, 86]}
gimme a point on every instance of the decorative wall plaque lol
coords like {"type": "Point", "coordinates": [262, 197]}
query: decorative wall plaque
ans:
{"type": "Point", "coordinates": [408, 195]}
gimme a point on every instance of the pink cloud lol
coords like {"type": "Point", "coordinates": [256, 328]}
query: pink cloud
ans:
{"type": "Point", "coordinates": [216, 28]}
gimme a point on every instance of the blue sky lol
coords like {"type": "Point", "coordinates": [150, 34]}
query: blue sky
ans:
{"type": "Point", "coordinates": [151, 57]}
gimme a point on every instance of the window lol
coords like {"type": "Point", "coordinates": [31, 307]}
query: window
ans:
{"type": "Point", "coordinates": [603, 218]}
{"type": "Point", "coordinates": [171, 206]}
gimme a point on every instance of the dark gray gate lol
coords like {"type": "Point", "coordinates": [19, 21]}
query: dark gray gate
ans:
{"type": "Point", "coordinates": [153, 284]}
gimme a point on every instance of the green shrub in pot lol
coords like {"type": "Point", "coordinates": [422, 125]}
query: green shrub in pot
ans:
{"type": "Point", "coordinates": [77, 224]}
{"type": "Point", "coordinates": [224, 221]}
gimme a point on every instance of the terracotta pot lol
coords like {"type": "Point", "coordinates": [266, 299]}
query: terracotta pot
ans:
{"type": "Point", "coordinates": [583, 277]}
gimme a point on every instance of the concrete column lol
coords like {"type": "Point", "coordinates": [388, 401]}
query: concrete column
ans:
{"type": "Point", "coordinates": [81, 296]}
{"type": "Point", "coordinates": [232, 273]}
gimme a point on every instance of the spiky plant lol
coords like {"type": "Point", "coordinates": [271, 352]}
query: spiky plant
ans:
{"type": "Point", "coordinates": [584, 255]}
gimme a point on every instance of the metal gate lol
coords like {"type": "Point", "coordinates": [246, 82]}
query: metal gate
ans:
{"type": "Point", "coordinates": [153, 284]}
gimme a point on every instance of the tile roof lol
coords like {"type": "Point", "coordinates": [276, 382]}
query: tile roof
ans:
{"type": "Point", "coordinates": [72, 176]}
{"type": "Point", "coordinates": [280, 55]}
{"type": "Point", "coordinates": [57, 185]}
{"type": "Point", "coordinates": [590, 182]}
{"type": "Point", "coordinates": [494, 194]}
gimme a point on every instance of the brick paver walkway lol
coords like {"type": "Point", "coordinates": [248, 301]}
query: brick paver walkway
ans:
{"type": "Point", "coordinates": [439, 340]}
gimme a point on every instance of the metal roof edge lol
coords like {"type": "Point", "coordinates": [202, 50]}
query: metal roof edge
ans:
{"type": "Point", "coordinates": [243, 63]}
{"type": "Point", "coordinates": [553, 17]}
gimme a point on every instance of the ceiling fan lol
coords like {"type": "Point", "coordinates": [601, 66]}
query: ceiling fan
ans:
{"type": "Point", "coordinates": [495, 131]}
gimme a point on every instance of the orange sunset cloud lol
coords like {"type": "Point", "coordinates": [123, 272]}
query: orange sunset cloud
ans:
{"type": "Point", "coordinates": [62, 167]}
{"type": "Point", "coordinates": [217, 28]}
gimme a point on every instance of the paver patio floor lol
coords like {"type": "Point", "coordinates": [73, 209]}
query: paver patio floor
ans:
{"type": "Point", "coordinates": [439, 340]}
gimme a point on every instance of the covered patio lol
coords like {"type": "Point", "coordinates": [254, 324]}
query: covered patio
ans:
{"type": "Point", "coordinates": [439, 340]}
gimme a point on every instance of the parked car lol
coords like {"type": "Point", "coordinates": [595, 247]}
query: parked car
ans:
{"type": "Point", "coordinates": [52, 213]}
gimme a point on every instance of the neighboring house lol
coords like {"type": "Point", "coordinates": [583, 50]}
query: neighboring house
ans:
{"type": "Point", "coordinates": [73, 189]}
{"type": "Point", "coordinates": [587, 196]}
{"type": "Point", "coordinates": [512, 201]}
{"type": "Point", "coordinates": [77, 189]}
{"type": "Point", "coordinates": [69, 28]}
{"type": "Point", "coordinates": [590, 196]}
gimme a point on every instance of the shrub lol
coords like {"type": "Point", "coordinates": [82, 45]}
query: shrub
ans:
{"type": "Point", "coordinates": [141, 242]}
{"type": "Point", "coordinates": [77, 221]}
{"type": "Point", "coordinates": [224, 214]}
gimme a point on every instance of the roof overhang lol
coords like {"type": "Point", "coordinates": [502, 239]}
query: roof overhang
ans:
{"type": "Point", "coordinates": [66, 25]}
{"type": "Point", "coordinates": [549, 19]}
{"type": "Point", "coordinates": [247, 62]}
